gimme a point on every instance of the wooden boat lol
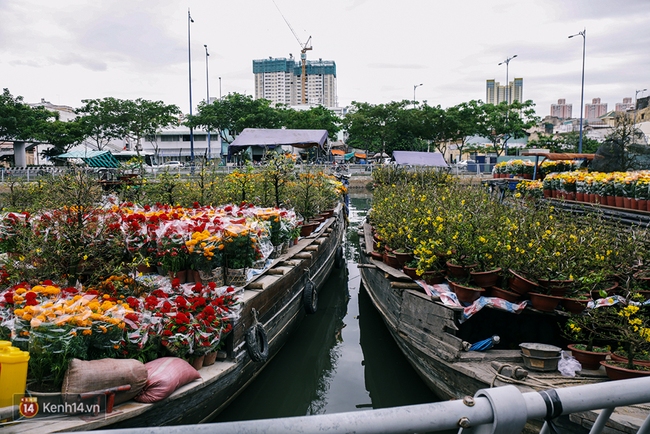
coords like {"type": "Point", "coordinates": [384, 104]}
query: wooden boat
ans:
{"type": "Point", "coordinates": [279, 298]}
{"type": "Point", "coordinates": [435, 340]}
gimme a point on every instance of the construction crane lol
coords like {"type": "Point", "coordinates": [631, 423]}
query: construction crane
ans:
{"type": "Point", "coordinates": [303, 57]}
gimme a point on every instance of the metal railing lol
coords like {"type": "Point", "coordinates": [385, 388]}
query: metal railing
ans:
{"type": "Point", "coordinates": [497, 410]}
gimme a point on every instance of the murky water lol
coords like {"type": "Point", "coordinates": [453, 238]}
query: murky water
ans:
{"type": "Point", "coordinates": [341, 359]}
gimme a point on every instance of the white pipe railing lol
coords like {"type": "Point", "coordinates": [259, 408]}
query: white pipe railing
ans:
{"type": "Point", "coordinates": [497, 410]}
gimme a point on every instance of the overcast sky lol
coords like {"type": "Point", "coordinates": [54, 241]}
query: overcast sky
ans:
{"type": "Point", "coordinates": [68, 50]}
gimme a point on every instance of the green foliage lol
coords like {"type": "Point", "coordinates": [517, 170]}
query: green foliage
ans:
{"type": "Point", "coordinates": [21, 122]}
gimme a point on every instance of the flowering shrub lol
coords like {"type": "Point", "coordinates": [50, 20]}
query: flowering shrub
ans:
{"type": "Point", "coordinates": [57, 324]}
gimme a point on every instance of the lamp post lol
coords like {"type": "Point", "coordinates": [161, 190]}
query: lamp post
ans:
{"type": "Point", "coordinates": [189, 57]}
{"type": "Point", "coordinates": [415, 86]}
{"type": "Point", "coordinates": [219, 88]}
{"type": "Point", "coordinates": [635, 109]}
{"type": "Point", "coordinates": [207, 94]}
{"type": "Point", "coordinates": [582, 89]}
{"type": "Point", "coordinates": [507, 62]}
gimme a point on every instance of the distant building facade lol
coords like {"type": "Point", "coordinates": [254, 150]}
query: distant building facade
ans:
{"type": "Point", "coordinates": [561, 110]}
{"type": "Point", "coordinates": [596, 109]}
{"type": "Point", "coordinates": [495, 93]}
{"type": "Point", "coordinates": [624, 106]}
{"type": "Point", "coordinates": [280, 80]}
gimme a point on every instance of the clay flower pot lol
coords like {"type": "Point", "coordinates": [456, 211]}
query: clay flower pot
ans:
{"type": "Point", "coordinates": [543, 302]}
{"type": "Point", "coordinates": [588, 359]}
{"type": "Point", "coordinates": [466, 294]}
{"type": "Point", "coordinates": [520, 284]}
{"type": "Point", "coordinates": [504, 294]}
{"type": "Point", "coordinates": [433, 277]}
{"type": "Point", "coordinates": [616, 371]}
{"type": "Point", "coordinates": [485, 279]}
{"type": "Point", "coordinates": [459, 271]}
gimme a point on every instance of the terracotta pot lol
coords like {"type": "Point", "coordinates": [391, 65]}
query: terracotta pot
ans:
{"type": "Point", "coordinates": [527, 176]}
{"type": "Point", "coordinates": [611, 200]}
{"type": "Point", "coordinates": [328, 213]}
{"type": "Point", "coordinates": [391, 260]}
{"type": "Point", "coordinates": [410, 272]}
{"type": "Point", "coordinates": [180, 275]}
{"type": "Point", "coordinates": [555, 286]}
{"type": "Point", "coordinates": [617, 372]}
{"type": "Point", "coordinates": [504, 294]}
{"type": "Point", "coordinates": [543, 302]}
{"type": "Point", "coordinates": [588, 359]}
{"type": "Point", "coordinates": [609, 290]}
{"type": "Point", "coordinates": [627, 202]}
{"type": "Point", "coordinates": [403, 258]}
{"type": "Point", "coordinates": [642, 204]}
{"type": "Point", "coordinates": [433, 277]}
{"type": "Point", "coordinates": [459, 271]}
{"type": "Point", "coordinates": [580, 196]}
{"type": "Point", "coordinates": [197, 362]}
{"type": "Point", "coordinates": [547, 192]}
{"type": "Point", "coordinates": [376, 255]}
{"type": "Point", "coordinates": [634, 204]}
{"type": "Point", "coordinates": [307, 228]}
{"type": "Point", "coordinates": [520, 284]}
{"type": "Point", "coordinates": [144, 269]}
{"type": "Point", "coordinates": [618, 201]}
{"type": "Point", "coordinates": [618, 358]}
{"type": "Point", "coordinates": [466, 294]}
{"type": "Point", "coordinates": [210, 358]}
{"type": "Point", "coordinates": [570, 196]}
{"type": "Point", "coordinates": [485, 279]}
{"type": "Point", "coordinates": [602, 199]}
{"type": "Point", "coordinates": [574, 305]}
{"type": "Point", "coordinates": [496, 175]}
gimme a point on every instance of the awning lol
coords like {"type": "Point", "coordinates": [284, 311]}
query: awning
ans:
{"type": "Point", "coordinates": [337, 152]}
{"type": "Point", "coordinates": [360, 155]}
{"type": "Point", "coordinates": [414, 158]}
{"type": "Point", "coordinates": [92, 158]}
{"type": "Point", "coordinates": [272, 138]}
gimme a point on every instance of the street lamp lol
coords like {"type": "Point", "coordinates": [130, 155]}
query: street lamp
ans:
{"type": "Point", "coordinates": [219, 88]}
{"type": "Point", "coordinates": [415, 86]}
{"type": "Point", "coordinates": [207, 95]}
{"type": "Point", "coordinates": [189, 57]}
{"type": "Point", "coordinates": [635, 105]}
{"type": "Point", "coordinates": [507, 62]}
{"type": "Point", "coordinates": [582, 91]}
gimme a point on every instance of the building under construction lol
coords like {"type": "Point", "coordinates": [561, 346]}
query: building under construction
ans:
{"type": "Point", "coordinates": [280, 80]}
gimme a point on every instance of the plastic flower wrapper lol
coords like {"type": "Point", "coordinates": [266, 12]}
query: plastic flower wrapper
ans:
{"type": "Point", "coordinates": [205, 249]}
{"type": "Point", "coordinates": [171, 249]}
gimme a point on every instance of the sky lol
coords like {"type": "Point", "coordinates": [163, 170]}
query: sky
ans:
{"type": "Point", "coordinates": [65, 51]}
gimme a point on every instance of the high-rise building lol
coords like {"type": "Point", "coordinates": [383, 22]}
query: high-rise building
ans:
{"type": "Point", "coordinates": [626, 105]}
{"type": "Point", "coordinates": [596, 109]}
{"type": "Point", "coordinates": [495, 93]}
{"type": "Point", "coordinates": [280, 80]}
{"type": "Point", "coordinates": [561, 110]}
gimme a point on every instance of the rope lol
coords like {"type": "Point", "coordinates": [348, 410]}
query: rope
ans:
{"type": "Point", "coordinates": [537, 382]}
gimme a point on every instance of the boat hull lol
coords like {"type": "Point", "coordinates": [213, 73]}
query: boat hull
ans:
{"type": "Point", "coordinates": [277, 298]}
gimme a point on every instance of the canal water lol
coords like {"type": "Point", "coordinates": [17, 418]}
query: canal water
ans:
{"type": "Point", "coordinates": [341, 359]}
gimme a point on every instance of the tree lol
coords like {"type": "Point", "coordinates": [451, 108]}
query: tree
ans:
{"type": "Point", "coordinates": [316, 118]}
{"type": "Point", "coordinates": [382, 127]}
{"type": "Point", "coordinates": [100, 120]}
{"type": "Point", "coordinates": [570, 141]}
{"type": "Point", "coordinates": [20, 122]}
{"type": "Point", "coordinates": [549, 142]}
{"type": "Point", "coordinates": [62, 136]}
{"type": "Point", "coordinates": [499, 123]}
{"type": "Point", "coordinates": [141, 118]}
{"type": "Point", "coordinates": [618, 152]}
{"type": "Point", "coordinates": [463, 122]}
{"type": "Point", "coordinates": [231, 114]}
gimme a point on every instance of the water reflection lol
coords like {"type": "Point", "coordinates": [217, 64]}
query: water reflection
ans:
{"type": "Point", "coordinates": [340, 359]}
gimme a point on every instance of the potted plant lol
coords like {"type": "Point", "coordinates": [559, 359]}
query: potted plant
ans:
{"type": "Point", "coordinates": [582, 329]}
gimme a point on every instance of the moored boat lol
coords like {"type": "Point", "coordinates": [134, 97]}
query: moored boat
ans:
{"type": "Point", "coordinates": [272, 305]}
{"type": "Point", "coordinates": [435, 337]}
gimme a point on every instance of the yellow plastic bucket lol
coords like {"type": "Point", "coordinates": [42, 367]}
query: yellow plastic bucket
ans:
{"type": "Point", "coordinates": [13, 374]}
